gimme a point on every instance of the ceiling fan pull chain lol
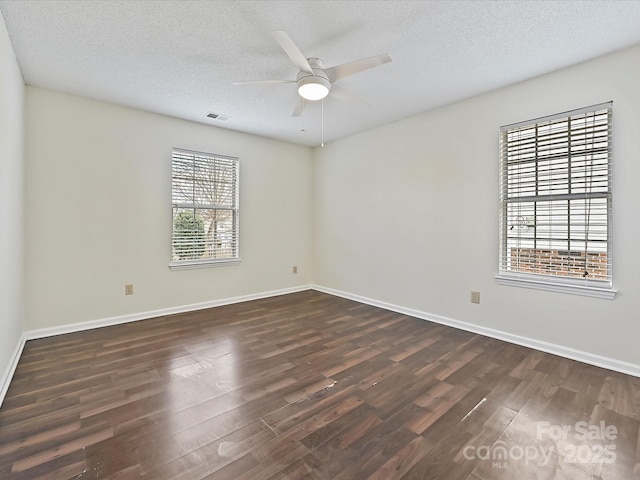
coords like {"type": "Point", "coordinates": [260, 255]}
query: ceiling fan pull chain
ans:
{"type": "Point", "coordinates": [322, 122]}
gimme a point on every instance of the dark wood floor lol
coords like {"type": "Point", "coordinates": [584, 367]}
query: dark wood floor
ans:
{"type": "Point", "coordinates": [310, 386]}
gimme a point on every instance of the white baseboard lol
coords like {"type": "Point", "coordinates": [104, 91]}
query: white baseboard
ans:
{"type": "Point", "coordinates": [562, 351]}
{"type": "Point", "coordinates": [11, 368]}
{"type": "Point", "coordinates": [106, 322]}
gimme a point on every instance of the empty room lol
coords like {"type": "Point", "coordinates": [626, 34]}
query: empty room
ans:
{"type": "Point", "coordinates": [327, 240]}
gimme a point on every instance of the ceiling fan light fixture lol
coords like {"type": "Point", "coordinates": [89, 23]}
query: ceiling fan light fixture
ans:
{"type": "Point", "coordinates": [313, 88]}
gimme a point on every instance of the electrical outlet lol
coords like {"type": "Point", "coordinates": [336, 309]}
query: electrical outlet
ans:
{"type": "Point", "coordinates": [475, 297]}
{"type": "Point", "coordinates": [128, 289]}
{"type": "Point", "coordinates": [294, 269]}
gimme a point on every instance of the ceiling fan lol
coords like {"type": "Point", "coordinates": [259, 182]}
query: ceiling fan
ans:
{"type": "Point", "coordinates": [315, 81]}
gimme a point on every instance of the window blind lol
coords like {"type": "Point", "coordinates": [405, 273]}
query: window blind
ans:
{"type": "Point", "coordinates": [204, 191]}
{"type": "Point", "coordinates": [555, 197]}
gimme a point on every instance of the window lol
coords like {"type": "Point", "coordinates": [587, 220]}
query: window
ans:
{"type": "Point", "coordinates": [555, 203]}
{"type": "Point", "coordinates": [204, 192]}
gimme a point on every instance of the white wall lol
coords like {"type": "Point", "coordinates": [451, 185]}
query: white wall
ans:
{"type": "Point", "coordinates": [408, 213]}
{"type": "Point", "coordinates": [98, 202]}
{"type": "Point", "coordinates": [11, 204]}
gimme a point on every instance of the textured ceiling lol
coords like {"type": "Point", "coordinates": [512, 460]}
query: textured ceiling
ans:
{"type": "Point", "coordinates": [180, 57]}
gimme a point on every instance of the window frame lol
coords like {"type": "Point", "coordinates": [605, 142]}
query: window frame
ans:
{"type": "Point", "coordinates": [557, 280]}
{"type": "Point", "coordinates": [213, 163]}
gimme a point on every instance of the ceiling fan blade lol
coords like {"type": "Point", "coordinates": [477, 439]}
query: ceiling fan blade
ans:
{"type": "Point", "coordinates": [265, 82]}
{"type": "Point", "coordinates": [293, 51]}
{"type": "Point", "coordinates": [339, 72]}
{"type": "Point", "coordinates": [342, 93]}
{"type": "Point", "coordinates": [297, 111]}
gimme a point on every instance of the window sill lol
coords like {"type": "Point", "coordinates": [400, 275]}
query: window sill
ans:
{"type": "Point", "coordinates": [203, 264]}
{"type": "Point", "coordinates": [606, 293]}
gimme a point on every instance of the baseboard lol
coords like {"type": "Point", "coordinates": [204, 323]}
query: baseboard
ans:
{"type": "Point", "coordinates": [11, 368]}
{"type": "Point", "coordinates": [562, 351]}
{"type": "Point", "coordinates": [106, 322]}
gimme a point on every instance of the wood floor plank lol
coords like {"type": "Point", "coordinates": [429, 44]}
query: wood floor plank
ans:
{"type": "Point", "coordinates": [307, 386]}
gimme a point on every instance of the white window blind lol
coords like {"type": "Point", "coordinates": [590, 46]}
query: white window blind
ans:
{"type": "Point", "coordinates": [555, 197]}
{"type": "Point", "coordinates": [204, 191]}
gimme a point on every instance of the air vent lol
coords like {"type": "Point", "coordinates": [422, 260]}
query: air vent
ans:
{"type": "Point", "coordinates": [218, 116]}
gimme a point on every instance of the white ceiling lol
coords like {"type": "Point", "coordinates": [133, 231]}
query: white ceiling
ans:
{"type": "Point", "coordinates": [179, 57]}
